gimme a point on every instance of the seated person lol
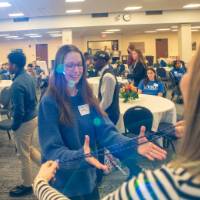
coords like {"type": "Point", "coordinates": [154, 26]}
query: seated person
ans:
{"type": "Point", "coordinates": [120, 69]}
{"type": "Point", "coordinates": [4, 72]}
{"type": "Point", "coordinates": [162, 63]}
{"type": "Point", "coordinates": [151, 85]}
{"type": "Point", "coordinates": [178, 70]}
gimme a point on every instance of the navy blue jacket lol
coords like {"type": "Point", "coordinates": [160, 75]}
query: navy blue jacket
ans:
{"type": "Point", "coordinates": [64, 142]}
{"type": "Point", "coordinates": [24, 100]}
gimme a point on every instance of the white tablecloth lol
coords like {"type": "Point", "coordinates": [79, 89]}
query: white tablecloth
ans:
{"type": "Point", "coordinates": [94, 83]}
{"type": "Point", "coordinates": [5, 83]}
{"type": "Point", "coordinates": [163, 110]}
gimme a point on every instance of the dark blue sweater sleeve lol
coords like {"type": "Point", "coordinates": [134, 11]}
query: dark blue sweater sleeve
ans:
{"type": "Point", "coordinates": [108, 137]}
{"type": "Point", "coordinates": [50, 138]}
{"type": "Point", "coordinates": [18, 105]}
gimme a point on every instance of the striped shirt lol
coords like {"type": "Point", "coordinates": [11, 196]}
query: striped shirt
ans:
{"type": "Point", "coordinates": [164, 184]}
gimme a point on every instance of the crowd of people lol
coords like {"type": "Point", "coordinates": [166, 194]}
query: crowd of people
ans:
{"type": "Point", "coordinates": [73, 124]}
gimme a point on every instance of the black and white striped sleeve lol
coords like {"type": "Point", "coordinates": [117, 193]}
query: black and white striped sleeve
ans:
{"type": "Point", "coordinates": [44, 191]}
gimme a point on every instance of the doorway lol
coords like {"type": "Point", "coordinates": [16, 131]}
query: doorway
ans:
{"type": "Point", "coordinates": [161, 48]}
{"type": "Point", "coordinates": [42, 52]}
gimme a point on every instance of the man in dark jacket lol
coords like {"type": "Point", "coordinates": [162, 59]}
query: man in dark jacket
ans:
{"type": "Point", "coordinates": [24, 102]}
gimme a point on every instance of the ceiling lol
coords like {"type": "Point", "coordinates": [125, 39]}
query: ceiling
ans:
{"type": "Point", "coordinates": [44, 8]}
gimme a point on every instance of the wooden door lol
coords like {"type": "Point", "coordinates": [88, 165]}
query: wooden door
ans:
{"type": "Point", "coordinates": [161, 48]}
{"type": "Point", "coordinates": [42, 52]}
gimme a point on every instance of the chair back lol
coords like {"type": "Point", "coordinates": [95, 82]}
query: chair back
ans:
{"type": "Point", "coordinates": [5, 97]}
{"type": "Point", "coordinates": [136, 117]}
{"type": "Point", "coordinates": [161, 72]}
{"type": "Point", "coordinates": [172, 79]}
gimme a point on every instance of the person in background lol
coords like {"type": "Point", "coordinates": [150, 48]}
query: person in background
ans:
{"type": "Point", "coordinates": [24, 102]}
{"type": "Point", "coordinates": [180, 179]}
{"type": "Point", "coordinates": [31, 71]}
{"type": "Point", "coordinates": [108, 86]}
{"type": "Point", "coordinates": [178, 71]}
{"type": "Point", "coordinates": [130, 48]}
{"type": "Point", "coordinates": [71, 121]}
{"type": "Point", "coordinates": [151, 85]}
{"type": "Point", "coordinates": [115, 55]}
{"type": "Point", "coordinates": [108, 94]}
{"type": "Point", "coordinates": [89, 63]}
{"type": "Point", "coordinates": [137, 68]}
{"type": "Point", "coordinates": [38, 72]}
{"type": "Point", "coordinates": [4, 72]}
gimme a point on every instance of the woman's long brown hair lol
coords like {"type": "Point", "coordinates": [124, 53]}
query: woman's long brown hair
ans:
{"type": "Point", "coordinates": [58, 86]}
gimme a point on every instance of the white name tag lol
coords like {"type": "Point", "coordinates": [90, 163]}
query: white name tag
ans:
{"type": "Point", "coordinates": [84, 109]}
{"type": "Point", "coordinates": [155, 84]}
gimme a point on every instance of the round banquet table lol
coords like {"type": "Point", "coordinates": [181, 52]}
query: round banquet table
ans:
{"type": "Point", "coordinates": [5, 83]}
{"type": "Point", "coordinates": [163, 110]}
{"type": "Point", "coordinates": [94, 83]}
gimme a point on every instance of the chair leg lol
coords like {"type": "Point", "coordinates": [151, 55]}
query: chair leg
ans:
{"type": "Point", "coordinates": [9, 135]}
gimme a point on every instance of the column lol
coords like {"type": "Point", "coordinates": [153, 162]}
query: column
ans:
{"type": "Point", "coordinates": [66, 37]}
{"type": "Point", "coordinates": [185, 42]}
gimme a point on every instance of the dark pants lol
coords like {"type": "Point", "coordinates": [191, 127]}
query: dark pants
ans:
{"type": "Point", "coordinates": [92, 196]}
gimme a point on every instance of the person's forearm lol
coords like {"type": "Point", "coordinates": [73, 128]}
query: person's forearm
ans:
{"type": "Point", "coordinates": [44, 191]}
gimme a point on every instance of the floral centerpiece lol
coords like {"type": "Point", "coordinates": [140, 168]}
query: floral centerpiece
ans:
{"type": "Point", "coordinates": [129, 92]}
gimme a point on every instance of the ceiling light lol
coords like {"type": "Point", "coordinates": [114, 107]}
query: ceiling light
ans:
{"type": "Point", "coordinates": [194, 30]}
{"type": "Point", "coordinates": [35, 36]}
{"type": "Point", "coordinates": [73, 1]}
{"type": "Point", "coordinates": [132, 8]}
{"type": "Point", "coordinates": [107, 32]}
{"type": "Point", "coordinates": [54, 32]}
{"type": "Point", "coordinates": [150, 31]}
{"type": "Point", "coordinates": [73, 11]}
{"type": "Point", "coordinates": [56, 35]}
{"type": "Point", "coordinates": [113, 30]}
{"type": "Point", "coordinates": [11, 36]}
{"type": "Point", "coordinates": [16, 14]}
{"type": "Point", "coordinates": [4, 4]}
{"type": "Point", "coordinates": [192, 5]}
{"type": "Point", "coordinates": [174, 30]}
{"type": "Point", "coordinates": [18, 38]}
{"type": "Point", "coordinates": [195, 27]}
{"type": "Point", "coordinates": [30, 34]}
{"type": "Point", "coordinates": [174, 26]}
{"type": "Point", "coordinates": [163, 29]}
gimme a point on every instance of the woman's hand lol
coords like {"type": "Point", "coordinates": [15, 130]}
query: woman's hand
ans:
{"type": "Point", "coordinates": [148, 149]}
{"type": "Point", "coordinates": [91, 159]}
{"type": "Point", "coordinates": [47, 170]}
{"type": "Point", "coordinates": [180, 129]}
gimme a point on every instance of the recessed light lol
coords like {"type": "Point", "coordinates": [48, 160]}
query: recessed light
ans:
{"type": "Point", "coordinates": [107, 32]}
{"type": "Point", "coordinates": [11, 36]}
{"type": "Point", "coordinates": [192, 5]}
{"type": "Point", "coordinates": [35, 36]}
{"type": "Point", "coordinates": [16, 14]}
{"type": "Point", "coordinates": [174, 30]}
{"type": "Point", "coordinates": [174, 27]}
{"type": "Point", "coordinates": [4, 4]}
{"type": "Point", "coordinates": [73, 11]}
{"type": "Point", "coordinates": [195, 27]}
{"type": "Point", "coordinates": [53, 32]}
{"type": "Point", "coordinates": [132, 8]}
{"type": "Point", "coordinates": [113, 30]}
{"type": "Point", "coordinates": [194, 30]}
{"type": "Point", "coordinates": [163, 29]}
{"type": "Point", "coordinates": [56, 35]}
{"type": "Point", "coordinates": [18, 38]}
{"type": "Point", "coordinates": [150, 31]}
{"type": "Point", "coordinates": [73, 1]}
{"type": "Point", "coordinates": [30, 34]}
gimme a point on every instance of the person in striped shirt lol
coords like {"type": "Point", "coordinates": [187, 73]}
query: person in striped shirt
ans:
{"type": "Point", "coordinates": [180, 179]}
